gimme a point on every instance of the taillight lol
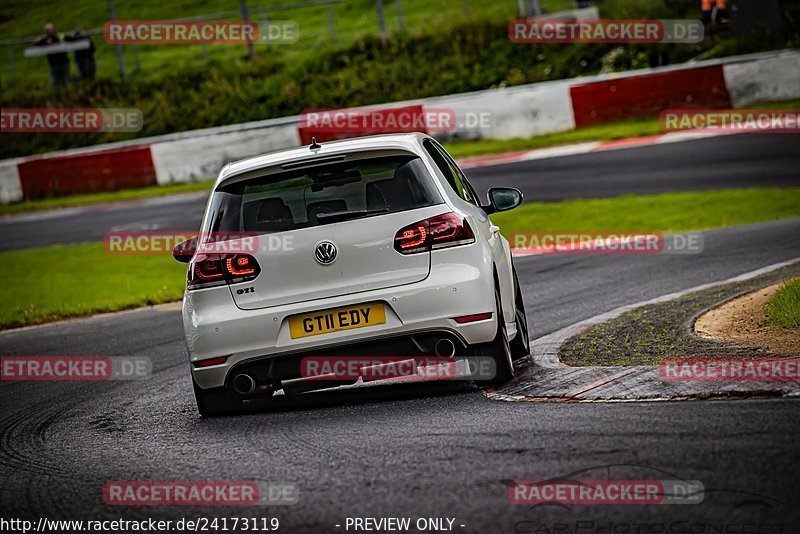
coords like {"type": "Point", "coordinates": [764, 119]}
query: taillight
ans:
{"type": "Point", "coordinates": [221, 269]}
{"type": "Point", "coordinates": [413, 238]}
{"type": "Point", "coordinates": [441, 231]}
{"type": "Point", "coordinates": [449, 230]}
{"type": "Point", "coordinates": [241, 265]}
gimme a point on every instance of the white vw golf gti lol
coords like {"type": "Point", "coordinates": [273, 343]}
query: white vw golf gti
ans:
{"type": "Point", "coordinates": [363, 247]}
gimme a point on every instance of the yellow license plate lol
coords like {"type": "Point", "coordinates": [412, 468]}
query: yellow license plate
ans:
{"type": "Point", "coordinates": [336, 319]}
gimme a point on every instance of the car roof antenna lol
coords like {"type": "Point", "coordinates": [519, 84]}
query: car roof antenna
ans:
{"type": "Point", "coordinates": [314, 144]}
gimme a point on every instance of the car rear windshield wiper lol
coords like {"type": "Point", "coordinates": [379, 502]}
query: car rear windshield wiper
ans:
{"type": "Point", "coordinates": [345, 215]}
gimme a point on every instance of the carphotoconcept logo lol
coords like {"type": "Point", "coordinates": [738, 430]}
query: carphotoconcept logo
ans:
{"type": "Point", "coordinates": [596, 500]}
{"type": "Point", "coordinates": [70, 120]}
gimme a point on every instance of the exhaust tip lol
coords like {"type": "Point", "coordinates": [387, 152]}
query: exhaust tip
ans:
{"type": "Point", "coordinates": [243, 384]}
{"type": "Point", "coordinates": [445, 347]}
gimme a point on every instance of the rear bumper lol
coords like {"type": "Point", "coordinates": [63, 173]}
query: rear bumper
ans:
{"type": "Point", "coordinates": [294, 377]}
{"type": "Point", "coordinates": [215, 327]}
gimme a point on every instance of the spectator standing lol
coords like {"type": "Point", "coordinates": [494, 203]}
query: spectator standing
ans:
{"type": "Point", "coordinates": [721, 15]}
{"type": "Point", "coordinates": [715, 11]}
{"type": "Point", "coordinates": [84, 59]}
{"type": "Point", "coordinates": [706, 7]}
{"type": "Point", "coordinates": [59, 62]}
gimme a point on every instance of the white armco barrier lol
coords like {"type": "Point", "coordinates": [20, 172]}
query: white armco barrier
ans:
{"type": "Point", "coordinates": [198, 158]}
{"type": "Point", "coordinates": [10, 187]}
{"type": "Point", "coordinates": [767, 80]}
{"type": "Point", "coordinates": [522, 111]}
{"type": "Point", "coordinates": [586, 13]}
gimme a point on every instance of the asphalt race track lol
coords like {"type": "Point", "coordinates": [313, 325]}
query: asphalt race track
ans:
{"type": "Point", "coordinates": [421, 450]}
{"type": "Point", "coordinates": [734, 161]}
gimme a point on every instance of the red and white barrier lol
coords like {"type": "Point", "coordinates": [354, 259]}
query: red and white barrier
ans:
{"type": "Point", "coordinates": [520, 111]}
{"type": "Point", "coordinates": [105, 170]}
{"type": "Point", "coordinates": [648, 95]}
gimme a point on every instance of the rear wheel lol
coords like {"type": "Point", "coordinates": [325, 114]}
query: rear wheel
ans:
{"type": "Point", "coordinates": [521, 345]}
{"type": "Point", "coordinates": [215, 402]}
{"type": "Point", "coordinates": [498, 349]}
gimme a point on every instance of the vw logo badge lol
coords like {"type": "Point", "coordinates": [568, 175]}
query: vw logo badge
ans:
{"type": "Point", "coordinates": [325, 252]}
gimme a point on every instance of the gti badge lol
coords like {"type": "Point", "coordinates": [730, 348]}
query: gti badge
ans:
{"type": "Point", "coordinates": [325, 253]}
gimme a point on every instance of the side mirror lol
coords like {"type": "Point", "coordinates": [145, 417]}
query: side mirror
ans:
{"type": "Point", "coordinates": [184, 251]}
{"type": "Point", "coordinates": [502, 199]}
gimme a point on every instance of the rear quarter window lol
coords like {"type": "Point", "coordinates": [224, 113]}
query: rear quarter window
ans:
{"type": "Point", "coordinates": [449, 168]}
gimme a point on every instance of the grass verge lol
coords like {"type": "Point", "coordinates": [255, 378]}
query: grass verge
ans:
{"type": "Point", "coordinates": [647, 335]}
{"type": "Point", "coordinates": [66, 281]}
{"type": "Point", "coordinates": [668, 212]}
{"type": "Point", "coordinates": [100, 198]}
{"type": "Point", "coordinates": [641, 127]}
{"type": "Point", "coordinates": [784, 308]}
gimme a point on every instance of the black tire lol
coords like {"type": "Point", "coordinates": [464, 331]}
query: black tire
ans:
{"type": "Point", "coordinates": [498, 349]}
{"type": "Point", "coordinates": [215, 402]}
{"type": "Point", "coordinates": [520, 345]}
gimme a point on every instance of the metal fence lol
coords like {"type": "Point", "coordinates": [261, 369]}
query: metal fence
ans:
{"type": "Point", "coordinates": [321, 23]}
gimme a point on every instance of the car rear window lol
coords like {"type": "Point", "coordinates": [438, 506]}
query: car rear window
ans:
{"type": "Point", "coordinates": [321, 195]}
